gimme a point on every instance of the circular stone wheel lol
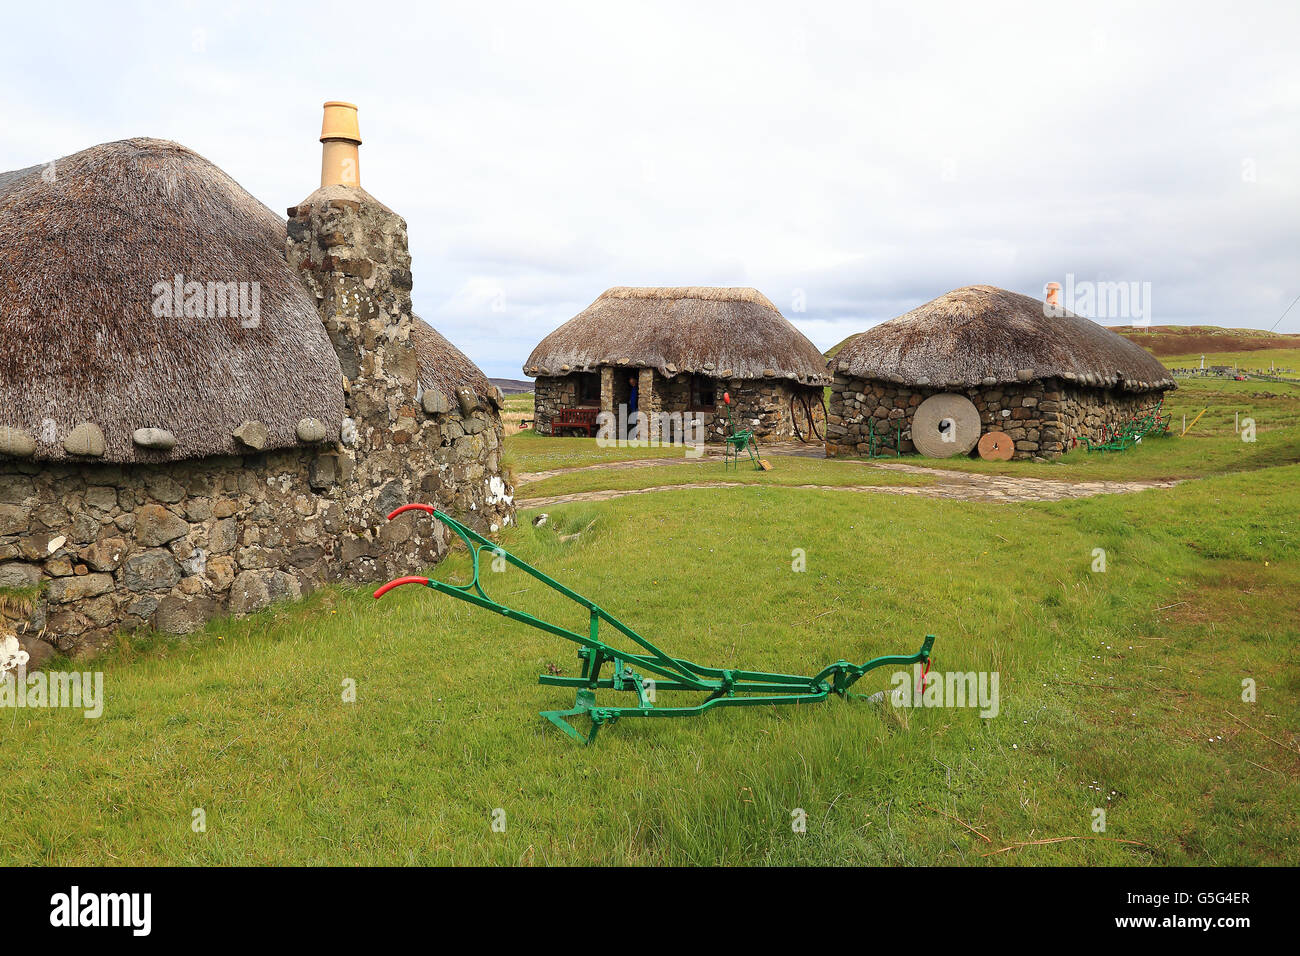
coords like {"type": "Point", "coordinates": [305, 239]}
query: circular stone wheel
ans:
{"type": "Point", "coordinates": [945, 425]}
{"type": "Point", "coordinates": [997, 446]}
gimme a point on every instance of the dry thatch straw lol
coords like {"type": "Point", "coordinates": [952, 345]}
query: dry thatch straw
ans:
{"type": "Point", "coordinates": [981, 335]}
{"type": "Point", "coordinates": [84, 241]}
{"type": "Point", "coordinates": [443, 367]}
{"type": "Point", "coordinates": [712, 331]}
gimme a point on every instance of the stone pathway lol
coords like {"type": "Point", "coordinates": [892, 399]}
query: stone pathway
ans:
{"type": "Point", "coordinates": [956, 485]}
{"type": "Point", "coordinates": [711, 455]}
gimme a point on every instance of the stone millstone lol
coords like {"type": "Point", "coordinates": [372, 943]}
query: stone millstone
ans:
{"type": "Point", "coordinates": [945, 425]}
{"type": "Point", "coordinates": [86, 439]}
{"type": "Point", "coordinates": [996, 446]}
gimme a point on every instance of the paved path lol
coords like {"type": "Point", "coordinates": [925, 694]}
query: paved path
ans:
{"type": "Point", "coordinates": [957, 485]}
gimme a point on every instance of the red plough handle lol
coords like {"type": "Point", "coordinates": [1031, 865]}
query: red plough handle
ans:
{"type": "Point", "coordinates": [398, 582]}
{"type": "Point", "coordinates": [428, 508]}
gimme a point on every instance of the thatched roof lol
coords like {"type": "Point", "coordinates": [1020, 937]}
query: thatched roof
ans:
{"type": "Point", "coordinates": [729, 333]}
{"type": "Point", "coordinates": [444, 367]}
{"type": "Point", "coordinates": [84, 242]}
{"type": "Point", "coordinates": [981, 335]}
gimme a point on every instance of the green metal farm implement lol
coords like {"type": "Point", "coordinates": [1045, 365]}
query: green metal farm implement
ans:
{"type": "Point", "coordinates": [738, 441]}
{"type": "Point", "coordinates": [1149, 421]}
{"type": "Point", "coordinates": [879, 443]}
{"type": "Point", "coordinates": [649, 670]}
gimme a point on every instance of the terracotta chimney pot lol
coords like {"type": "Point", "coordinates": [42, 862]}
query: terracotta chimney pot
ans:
{"type": "Point", "coordinates": [340, 136]}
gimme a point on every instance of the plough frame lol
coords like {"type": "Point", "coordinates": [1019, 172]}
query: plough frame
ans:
{"type": "Point", "coordinates": [721, 685]}
{"type": "Point", "coordinates": [1148, 421]}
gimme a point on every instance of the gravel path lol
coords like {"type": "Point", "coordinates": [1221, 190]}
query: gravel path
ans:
{"type": "Point", "coordinates": [957, 485]}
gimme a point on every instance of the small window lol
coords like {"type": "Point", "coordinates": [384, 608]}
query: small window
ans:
{"type": "Point", "coordinates": [588, 388]}
{"type": "Point", "coordinates": [702, 394]}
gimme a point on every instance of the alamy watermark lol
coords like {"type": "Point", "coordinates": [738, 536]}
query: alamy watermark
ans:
{"type": "Point", "coordinates": [1129, 301]}
{"type": "Point", "coordinates": [75, 908]}
{"type": "Point", "coordinates": [176, 298]}
{"type": "Point", "coordinates": [953, 689]}
{"type": "Point", "coordinates": [73, 690]}
{"type": "Point", "coordinates": [651, 430]}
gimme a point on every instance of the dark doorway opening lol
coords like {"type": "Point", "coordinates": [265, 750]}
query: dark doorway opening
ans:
{"type": "Point", "coordinates": [588, 388]}
{"type": "Point", "coordinates": [703, 396]}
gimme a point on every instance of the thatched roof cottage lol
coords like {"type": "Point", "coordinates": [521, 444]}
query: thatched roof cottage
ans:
{"type": "Point", "coordinates": [1028, 368]}
{"type": "Point", "coordinates": [683, 347]}
{"type": "Point", "coordinates": [203, 409]}
{"type": "Point", "coordinates": [97, 251]}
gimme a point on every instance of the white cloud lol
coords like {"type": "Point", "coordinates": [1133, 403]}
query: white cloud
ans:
{"type": "Point", "coordinates": [872, 155]}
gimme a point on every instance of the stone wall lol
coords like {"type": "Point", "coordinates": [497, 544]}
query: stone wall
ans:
{"type": "Point", "coordinates": [551, 393]}
{"type": "Point", "coordinates": [87, 550]}
{"type": "Point", "coordinates": [1095, 412]}
{"type": "Point", "coordinates": [123, 547]}
{"type": "Point", "coordinates": [762, 405]}
{"type": "Point", "coordinates": [1044, 418]}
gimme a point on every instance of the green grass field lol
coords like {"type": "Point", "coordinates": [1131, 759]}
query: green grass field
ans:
{"type": "Point", "coordinates": [1120, 689]}
{"type": "Point", "coordinates": [1285, 361]}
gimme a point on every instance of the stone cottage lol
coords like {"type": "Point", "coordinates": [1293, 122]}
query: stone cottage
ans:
{"type": "Point", "coordinates": [203, 410]}
{"type": "Point", "coordinates": [1001, 362]}
{"type": "Point", "coordinates": [685, 347]}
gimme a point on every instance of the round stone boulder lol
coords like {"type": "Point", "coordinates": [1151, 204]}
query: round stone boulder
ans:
{"type": "Point", "coordinates": [86, 440]}
{"type": "Point", "coordinates": [159, 439]}
{"type": "Point", "coordinates": [311, 430]}
{"type": "Point", "coordinates": [16, 443]}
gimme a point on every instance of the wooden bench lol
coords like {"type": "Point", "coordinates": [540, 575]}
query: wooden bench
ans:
{"type": "Point", "coordinates": [583, 419]}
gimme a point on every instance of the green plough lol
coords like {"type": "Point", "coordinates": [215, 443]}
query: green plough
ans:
{"type": "Point", "coordinates": [1149, 421]}
{"type": "Point", "coordinates": [879, 443]}
{"type": "Point", "coordinates": [738, 441]}
{"type": "Point", "coordinates": [646, 672]}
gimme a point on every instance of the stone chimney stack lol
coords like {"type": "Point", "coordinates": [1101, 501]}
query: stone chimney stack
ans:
{"type": "Point", "coordinates": [401, 442]}
{"type": "Point", "coordinates": [351, 252]}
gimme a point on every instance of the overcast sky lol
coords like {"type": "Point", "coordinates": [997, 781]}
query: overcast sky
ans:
{"type": "Point", "coordinates": [849, 160]}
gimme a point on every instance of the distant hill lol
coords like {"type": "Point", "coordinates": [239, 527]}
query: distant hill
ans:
{"type": "Point", "coordinates": [512, 386]}
{"type": "Point", "coordinates": [834, 349]}
{"type": "Point", "coordinates": [1163, 340]}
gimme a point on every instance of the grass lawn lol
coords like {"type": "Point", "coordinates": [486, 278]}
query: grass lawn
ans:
{"type": "Point", "coordinates": [1119, 690]}
{"type": "Point", "coordinates": [1252, 361]}
{"type": "Point", "coordinates": [530, 452]}
{"type": "Point", "coordinates": [1131, 678]}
